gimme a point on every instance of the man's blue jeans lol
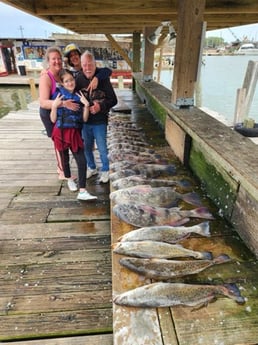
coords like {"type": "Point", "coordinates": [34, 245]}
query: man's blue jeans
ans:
{"type": "Point", "coordinates": [99, 133]}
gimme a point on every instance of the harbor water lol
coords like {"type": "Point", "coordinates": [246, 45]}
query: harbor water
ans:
{"type": "Point", "coordinates": [220, 77]}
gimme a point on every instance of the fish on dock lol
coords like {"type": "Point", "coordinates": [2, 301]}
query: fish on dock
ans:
{"type": "Point", "coordinates": [155, 249]}
{"type": "Point", "coordinates": [166, 233]}
{"type": "Point", "coordinates": [144, 215]}
{"type": "Point", "coordinates": [135, 180]}
{"type": "Point", "coordinates": [128, 148]}
{"type": "Point", "coordinates": [135, 156]}
{"type": "Point", "coordinates": [163, 269]}
{"type": "Point", "coordinates": [162, 294]}
{"type": "Point", "coordinates": [153, 196]}
{"type": "Point", "coordinates": [138, 143]}
{"type": "Point", "coordinates": [146, 170]}
{"type": "Point", "coordinates": [120, 174]}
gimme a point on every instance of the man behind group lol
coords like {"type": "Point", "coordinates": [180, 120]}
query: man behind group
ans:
{"type": "Point", "coordinates": [101, 100]}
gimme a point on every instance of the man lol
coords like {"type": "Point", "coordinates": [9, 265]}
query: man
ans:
{"type": "Point", "coordinates": [102, 99]}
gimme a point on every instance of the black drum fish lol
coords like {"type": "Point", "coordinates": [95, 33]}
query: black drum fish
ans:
{"type": "Point", "coordinates": [174, 294]}
{"type": "Point", "coordinates": [144, 215]}
{"type": "Point", "coordinates": [153, 196]}
{"type": "Point", "coordinates": [163, 269]}
{"type": "Point", "coordinates": [135, 180]}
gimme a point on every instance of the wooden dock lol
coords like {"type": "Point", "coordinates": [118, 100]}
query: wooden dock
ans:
{"type": "Point", "coordinates": [55, 258]}
{"type": "Point", "coordinates": [57, 272]}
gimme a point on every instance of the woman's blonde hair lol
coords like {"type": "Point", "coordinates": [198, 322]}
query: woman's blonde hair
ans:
{"type": "Point", "coordinates": [53, 49]}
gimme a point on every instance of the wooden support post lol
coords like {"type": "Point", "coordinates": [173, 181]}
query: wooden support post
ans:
{"type": "Point", "coordinates": [239, 109]}
{"type": "Point", "coordinates": [33, 91]}
{"type": "Point", "coordinates": [187, 53]}
{"type": "Point", "coordinates": [148, 55]}
{"type": "Point", "coordinates": [160, 64]}
{"type": "Point", "coordinates": [136, 52]}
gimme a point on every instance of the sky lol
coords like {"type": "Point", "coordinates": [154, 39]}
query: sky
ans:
{"type": "Point", "coordinates": [28, 26]}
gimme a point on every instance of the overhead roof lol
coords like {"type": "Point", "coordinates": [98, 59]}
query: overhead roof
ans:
{"type": "Point", "coordinates": [128, 16]}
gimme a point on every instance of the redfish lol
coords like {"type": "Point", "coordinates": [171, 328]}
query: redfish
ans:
{"type": "Point", "coordinates": [166, 233]}
{"type": "Point", "coordinates": [162, 269]}
{"type": "Point", "coordinates": [173, 294]}
{"type": "Point", "coordinates": [155, 249]}
{"type": "Point", "coordinates": [153, 196]}
{"type": "Point", "coordinates": [135, 180]}
{"type": "Point", "coordinates": [143, 215]}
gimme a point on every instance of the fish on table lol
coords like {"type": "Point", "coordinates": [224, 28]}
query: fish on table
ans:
{"type": "Point", "coordinates": [141, 215]}
{"type": "Point", "coordinates": [162, 294]}
{"type": "Point", "coordinates": [166, 233]}
{"type": "Point", "coordinates": [163, 269]}
{"type": "Point", "coordinates": [147, 170]}
{"type": "Point", "coordinates": [135, 180]}
{"type": "Point", "coordinates": [154, 196]}
{"type": "Point", "coordinates": [156, 249]}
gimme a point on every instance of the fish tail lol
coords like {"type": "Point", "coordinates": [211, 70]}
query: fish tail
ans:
{"type": "Point", "coordinates": [202, 212]}
{"type": "Point", "coordinates": [192, 198]}
{"type": "Point", "coordinates": [183, 183]}
{"type": "Point", "coordinates": [233, 290]}
{"type": "Point", "coordinates": [170, 169]}
{"type": "Point", "coordinates": [204, 229]}
{"type": "Point", "coordinates": [207, 256]}
{"type": "Point", "coordinates": [221, 259]}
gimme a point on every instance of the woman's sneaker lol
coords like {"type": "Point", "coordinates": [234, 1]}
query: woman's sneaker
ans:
{"type": "Point", "coordinates": [72, 185]}
{"type": "Point", "coordinates": [104, 177]}
{"type": "Point", "coordinates": [91, 172]}
{"type": "Point", "coordinates": [86, 196]}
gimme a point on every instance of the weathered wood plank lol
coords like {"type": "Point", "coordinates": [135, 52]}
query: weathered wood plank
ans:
{"type": "Point", "coordinates": [53, 230]}
{"type": "Point", "coordinates": [130, 325]}
{"type": "Point", "coordinates": [56, 323]}
{"type": "Point", "coordinates": [55, 277]}
{"type": "Point", "coordinates": [104, 339]}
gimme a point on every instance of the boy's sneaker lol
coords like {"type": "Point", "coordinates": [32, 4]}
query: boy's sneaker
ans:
{"type": "Point", "coordinates": [91, 172]}
{"type": "Point", "coordinates": [72, 185]}
{"type": "Point", "coordinates": [86, 196]}
{"type": "Point", "coordinates": [104, 177]}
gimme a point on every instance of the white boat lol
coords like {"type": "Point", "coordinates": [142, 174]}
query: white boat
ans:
{"type": "Point", "coordinates": [247, 49]}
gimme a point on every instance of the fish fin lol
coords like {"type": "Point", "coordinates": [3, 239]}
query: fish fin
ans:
{"type": "Point", "coordinates": [179, 222]}
{"type": "Point", "coordinates": [202, 212]}
{"type": "Point", "coordinates": [233, 291]}
{"type": "Point", "coordinates": [204, 229]}
{"type": "Point", "coordinates": [221, 259]}
{"type": "Point", "coordinates": [207, 256]}
{"type": "Point", "coordinates": [204, 304]}
{"type": "Point", "coordinates": [183, 184]}
{"type": "Point", "coordinates": [192, 198]}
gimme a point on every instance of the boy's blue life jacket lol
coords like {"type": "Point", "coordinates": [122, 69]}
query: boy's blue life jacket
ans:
{"type": "Point", "coordinates": [67, 118]}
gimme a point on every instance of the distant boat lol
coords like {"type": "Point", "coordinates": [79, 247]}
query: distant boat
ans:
{"type": "Point", "coordinates": [247, 49]}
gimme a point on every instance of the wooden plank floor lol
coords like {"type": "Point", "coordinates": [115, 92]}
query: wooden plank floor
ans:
{"type": "Point", "coordinates": [56, 279]}
{"type": "Point", "coordinates": [55, 260]}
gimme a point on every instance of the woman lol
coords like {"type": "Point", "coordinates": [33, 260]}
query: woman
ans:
{"type": "Point", "coordinates": [47, 87]}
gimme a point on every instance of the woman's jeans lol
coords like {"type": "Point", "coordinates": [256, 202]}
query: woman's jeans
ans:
{"type": "Point", "coordinates": [99, 133]}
